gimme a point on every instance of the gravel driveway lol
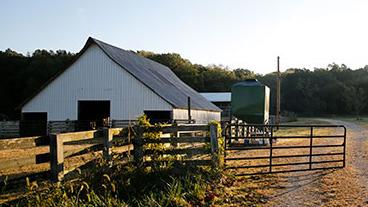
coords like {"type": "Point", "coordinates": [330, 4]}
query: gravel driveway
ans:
{"type": "Point", "coordinates": [342, 187]}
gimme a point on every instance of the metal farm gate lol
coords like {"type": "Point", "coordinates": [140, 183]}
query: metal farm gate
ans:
{"type": "Point", "coordinates": [262, 149]}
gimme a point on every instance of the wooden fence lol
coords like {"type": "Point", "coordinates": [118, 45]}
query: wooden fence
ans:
{"type": "Point", "coordinates": [102, 139]}
{"type": "Point", "coordinates": [22, 144]}
{"type": "Point", "coordinates": [197, 150]}
{"type": "Point", "coordinates": [31, 152]}
{"type": "Point", "coordinates": [9, 129]}
{"type": "Point", "coordinates": [54, 127]}
{"type": "Point", "coordinates": [190, 150]}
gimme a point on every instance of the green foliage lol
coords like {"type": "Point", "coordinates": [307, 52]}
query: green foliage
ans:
{"type": "Point", "coordinates": [143, 121]}
{"type": "Point", "coordinates": [157, 158]}
{"type": "Point", "coordinates": [335, 89]}
{"type": "Point", "coordinates": [201, 78]}
{"type": "Point", "coordinates": [155, 148]}
{"type": "Point", "coordinates": [221, 144]}
{"type": "Point", "coordinates": [24, 75]}
{"type": "Point", "coordinates": [324, 91]}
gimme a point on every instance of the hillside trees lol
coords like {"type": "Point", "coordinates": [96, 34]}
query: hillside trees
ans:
{"type": "Point", "coordinates": [21, 76]}
{"type": "Point", "coordinates": [336, 89]}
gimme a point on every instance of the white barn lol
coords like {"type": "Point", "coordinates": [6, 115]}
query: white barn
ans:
{"type": "Point", "coordinates": [106, 81]}
{"type": "Point", "coordinates": [221, 100]}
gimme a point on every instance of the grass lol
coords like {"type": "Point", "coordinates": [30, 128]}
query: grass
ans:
{"type": "Point", "coordinates": [287, 131]}
{"type": "Point", "coordinates": [259, 190]}
{"type": "Point", "coordinates": [125, 185]}
{"type": "Point", "coordinates": [115, 183]}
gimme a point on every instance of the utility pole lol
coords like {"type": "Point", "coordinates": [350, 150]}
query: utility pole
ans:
{"type": "Point", "coordinates": [278, 92]}
{"type": "Point", "coordinates": [189, 111]}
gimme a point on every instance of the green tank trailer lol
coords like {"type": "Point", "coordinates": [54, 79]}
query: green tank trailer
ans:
{"type": "Point", "coordinates": [250, 104]}
{"type": "Point", "coordinates": [250, 101]}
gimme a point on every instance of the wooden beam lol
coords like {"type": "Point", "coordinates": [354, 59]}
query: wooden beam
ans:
{"type": "Point", "coordinates": [187, 151]}
{"type": "Point", "coordinates": [23, 143]}
{"type": "Point", "coordinates": [122, 149]}
{"type": "Point", "coordinates": [6, 163]}
{"type": "Point", "coordinates": [56, 158]}
{"type": "Point", "coordinates": [78, 136]}
{"type": "Point", "coordinates": [179, 140]}
{"type": "Point", "coordinates": [278, 92]}
{"type": "Point", "coordinates": [214, 145]}
{"type": "Point", "coordinates": [186, 162]}
{"type": "Point", "coordinates": [107, 138]}
{"type": "Point", "coordinates": [184, 128]}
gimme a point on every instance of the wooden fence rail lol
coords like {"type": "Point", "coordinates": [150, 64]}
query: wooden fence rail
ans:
{"type": "Point", "coordinates": [25, 143]}
{"type": "Point", "coordinates": [109, 139]}
{"type": "Point", "coordinates": [199, 146]}
{"type": "Point", "coordinates": [103, 138]}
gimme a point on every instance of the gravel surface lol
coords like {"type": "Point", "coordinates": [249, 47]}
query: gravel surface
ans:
{"type": "Point", "coordinates": [342, 187]}
{"type": "Point", "coordinates": [339, 187]}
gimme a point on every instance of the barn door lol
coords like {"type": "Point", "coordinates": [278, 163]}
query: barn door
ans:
{"type": "Point", "coordinates": [93, 114]}
{"type": "Point", "coordinates": [33, 124]}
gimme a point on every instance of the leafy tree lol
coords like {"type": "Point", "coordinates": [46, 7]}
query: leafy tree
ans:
{"type": "Point", "coordinates": [336, 89]}
{"type": "Point", "coordinates": [358, 100]}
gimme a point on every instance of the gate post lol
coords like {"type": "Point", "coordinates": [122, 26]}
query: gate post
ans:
{"type": "Point", "coordinates": [138, 142]}
{"type": "Point", "coordinates": [56, 158]}
{"type": "Point", "coordinates": [107, 138]}
{"type": "Point", "coordinates": [311, 148]}
{"type": "Point", "coordinates": [214, 145]}
{"type": "Point", "coordinates": [344, 147]}
{"type": "Point", "coordinates": [271, 140]}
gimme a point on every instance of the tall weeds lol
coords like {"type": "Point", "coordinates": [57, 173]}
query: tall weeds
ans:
{"type": "Point", "coordinates": [123, 185]}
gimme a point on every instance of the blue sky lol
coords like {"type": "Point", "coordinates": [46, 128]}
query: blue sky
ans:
{"type": "Point", "coordinates": [234, 33]}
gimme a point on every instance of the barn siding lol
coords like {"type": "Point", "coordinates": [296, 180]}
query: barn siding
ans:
{"type": "Point", "coordinates": [201, 117]}
{"type": "Point", "coordinates": [94, 76]}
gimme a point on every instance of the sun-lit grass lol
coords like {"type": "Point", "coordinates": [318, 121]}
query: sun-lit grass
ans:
{"type": "Point", "coordinates": [117, 183]}
{"type": "Point", "coordinates": [124, 185]}
{"type": "Point", "coordinates": [303, 131]}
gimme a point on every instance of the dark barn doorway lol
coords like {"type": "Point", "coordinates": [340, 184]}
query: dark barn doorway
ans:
{"type": "Point", "coordinates": [93, 114]}
{"type": "Point", "coordinates": [33, 124]}
{"type": "Point", "coordinates": [159, 116]}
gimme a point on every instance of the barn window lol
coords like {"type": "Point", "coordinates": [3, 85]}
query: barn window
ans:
{"type": "Point", "coordinates": [159, 116]}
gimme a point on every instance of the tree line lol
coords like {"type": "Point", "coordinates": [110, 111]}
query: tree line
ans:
{"type": "Point", "coordinates": [335, 89]}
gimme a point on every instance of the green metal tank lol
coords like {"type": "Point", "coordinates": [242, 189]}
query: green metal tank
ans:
{"type": "Point", "coordinates": [250, 101]}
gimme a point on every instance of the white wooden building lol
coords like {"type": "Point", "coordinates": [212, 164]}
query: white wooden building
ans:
{"type": "Point", "coordinates": [106, 81]}
{"type": "Point", "coordinates": [221, 100]}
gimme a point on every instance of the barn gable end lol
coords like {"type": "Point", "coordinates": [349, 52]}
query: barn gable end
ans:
{"type": "Point", "coordinates": [94, 76]}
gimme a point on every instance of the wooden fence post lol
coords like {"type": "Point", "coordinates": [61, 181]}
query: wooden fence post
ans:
{"type": "Point", "coordinates": [56, 158]}
{"type": "Point", "coordinates": [107, 139]}
{"type": "Point", "coordinates": [214, 145]}
{"type": "Point", "coordinates": [138, 142]}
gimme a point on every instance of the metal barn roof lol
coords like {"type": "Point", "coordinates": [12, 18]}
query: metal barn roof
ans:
{"type": "Point", "coordinates": [159, 78]}
{"type": "Point", "coordinates": [217, 96]}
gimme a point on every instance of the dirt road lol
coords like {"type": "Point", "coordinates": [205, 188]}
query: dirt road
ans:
{"type": "Point", "coordinates": [344, 187]}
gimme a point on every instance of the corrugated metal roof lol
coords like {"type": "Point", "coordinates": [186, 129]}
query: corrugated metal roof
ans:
{"type": "Point", "coordinates": [217, 96]}
{"type": "Point", "coordinates": [159, 78]}
{"type": "Point", "coordinates": [249, 82]}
